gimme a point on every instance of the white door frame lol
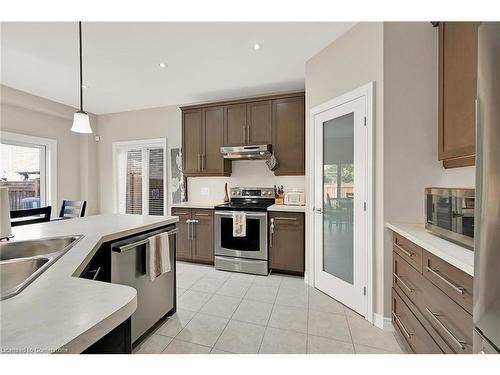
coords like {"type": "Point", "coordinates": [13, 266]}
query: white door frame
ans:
{"type": "Point", "coordinates": [128, 145]}
{"type": "Point", "coordinates": [367, 92]}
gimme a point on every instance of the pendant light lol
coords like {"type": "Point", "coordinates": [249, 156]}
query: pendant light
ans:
{"type": "Point", "coordinates": [81, 121]}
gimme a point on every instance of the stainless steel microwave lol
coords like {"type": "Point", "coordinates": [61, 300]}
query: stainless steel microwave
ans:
{"type": "Point", "coordinates": [450, 214]}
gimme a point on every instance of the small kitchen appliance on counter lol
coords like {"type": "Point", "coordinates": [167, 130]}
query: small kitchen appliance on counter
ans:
{"type": "Point", "coordinates": [248, 253]}
{"type": "Point", "coordinates": [295, 198]}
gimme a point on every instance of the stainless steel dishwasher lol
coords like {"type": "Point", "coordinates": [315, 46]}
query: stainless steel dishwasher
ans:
{"type": "Point", "coordinates": [156, 298]}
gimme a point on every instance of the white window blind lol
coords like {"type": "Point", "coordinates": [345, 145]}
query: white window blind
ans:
{"type": "Point", "coordinates": [141, 187]}
{"type": "Point", "coordinates": [134, 182]}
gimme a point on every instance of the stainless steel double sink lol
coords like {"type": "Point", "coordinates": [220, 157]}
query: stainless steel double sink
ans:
{"type": "Point", "coordinates": [21, 262]}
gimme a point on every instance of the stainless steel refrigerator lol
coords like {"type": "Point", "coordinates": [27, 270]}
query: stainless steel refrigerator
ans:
{"type": "Point", "coordinates": [486, 313]}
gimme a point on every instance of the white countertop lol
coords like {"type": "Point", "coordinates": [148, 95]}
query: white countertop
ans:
{"type": "Point", "coordinates": [285, 208]}
{"type": "Point", "coordinates": [456, 255]}
{"type": "Point", "coordinates": [61, 311]}
{"type": "Point", "coordinates": [208, 205]}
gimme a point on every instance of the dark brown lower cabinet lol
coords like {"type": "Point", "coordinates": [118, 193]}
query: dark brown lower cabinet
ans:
{"type": "Point", "coordinates": [195, 239]}
{"type": "Point", "coordinates": [428, 316]}
{"type": "Point", "coordinates": [203, 236]}
{"type": "Point", "coordinates": [417, 339]}
{"type": "Point", "coordinates": [286, 242]}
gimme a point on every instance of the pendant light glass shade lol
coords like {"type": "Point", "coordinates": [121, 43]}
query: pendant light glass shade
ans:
{"type": "Point", "coordinates": [81, 123]}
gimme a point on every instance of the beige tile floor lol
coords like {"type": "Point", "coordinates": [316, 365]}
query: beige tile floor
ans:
{"type": "Point", "coordinates": [222, 312]}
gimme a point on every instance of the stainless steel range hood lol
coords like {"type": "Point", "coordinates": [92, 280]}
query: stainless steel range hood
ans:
{"type": "Point", "coordinates": [254, 152]}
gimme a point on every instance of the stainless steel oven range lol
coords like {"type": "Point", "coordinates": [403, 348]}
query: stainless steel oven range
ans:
{"type": "Point", "coordinates": [249, 253]}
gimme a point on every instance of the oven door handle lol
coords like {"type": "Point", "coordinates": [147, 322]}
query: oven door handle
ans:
{"type": "Point", "coordinates": [249, 214]}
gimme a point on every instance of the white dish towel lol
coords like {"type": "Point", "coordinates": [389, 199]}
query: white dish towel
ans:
{"type": "Point", "coordinates": [239, 224]}
{"type": "Point", "coordinates": [158, 255]}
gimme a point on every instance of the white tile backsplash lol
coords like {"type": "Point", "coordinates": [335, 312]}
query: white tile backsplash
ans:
{"type": "Point", "coordinates": [245, 173]}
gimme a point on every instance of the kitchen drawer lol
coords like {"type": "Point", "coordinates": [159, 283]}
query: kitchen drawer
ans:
{"type": "Point", "coordinates": [202, 213]}
{"type": "Point", "coordinates": [410, 329]}
{"type": "Point", "coordinates": [408, 251]}
{"type": "Point", "coordinates": [181, 212]}
{"type": "Point", "coordinates": [405, 277]}
{"type": "Point", "coordinates": [446, 317]}
{"type": "Point", "coordinates": [450, 320]}
{"type": "Point", "coordinates": [454, 282]}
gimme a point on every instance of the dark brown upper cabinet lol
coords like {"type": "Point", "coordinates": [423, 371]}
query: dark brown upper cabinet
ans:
{"type": "Point", "coordinates": [235, 124]}
{"type": "Point", "coordinates": [247, 123]}
{"type": "Point", "coordinates": [259, 123]}
{"type": "Point", "coordinates": [192, 141]}
{"type": "Point", "coordinates": [202, 138]}
{"type": "Point", "coordinates": [457, 93]}
{"type": "Point", "coordinates": [288, 134]}
{"type": "Point", "coordinates": [276, 119]}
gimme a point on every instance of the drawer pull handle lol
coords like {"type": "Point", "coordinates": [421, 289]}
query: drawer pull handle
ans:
{"type": "Point", "coordinates": [402, 326]}
{"type": "Point", "coordinates": [286, 218]}
{"type": "Point", "coordinates": [201, 214]}
{"type": "Point", "coordinates": [180, 213]}
{"type": "Point", "coordinates": [457, 288]}
{"type": "Point", "coordinates": [403, 283]}
{"type": "Point", "coordinates": [457, 342]}
{"type": "Point", "coordinates": [407, 252]}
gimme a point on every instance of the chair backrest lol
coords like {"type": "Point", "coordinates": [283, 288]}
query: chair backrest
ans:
{"type": "Point", "coordinates": [33, 215]}
{"type": "Point", "coordinates": [71, 209]}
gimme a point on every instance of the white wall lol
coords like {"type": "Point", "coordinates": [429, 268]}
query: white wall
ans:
{"type": "Point", "coordinates": [351, 61]}
{"type": "Point", "coordinates": [250, 173]}
{"type": "Point", "coordinates": [162, 122]}
{"type": "Point", "coordinates": [410, 128]}
{"type": "Point", "coordinates": [27, 114]}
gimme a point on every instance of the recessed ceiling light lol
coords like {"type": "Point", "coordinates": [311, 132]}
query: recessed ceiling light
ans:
{"type": "Point", "coordinates": [257, 46]}
{"type": "Point", "coordinates": [162, 65]}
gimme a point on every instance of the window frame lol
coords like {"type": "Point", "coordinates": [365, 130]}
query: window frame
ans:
{"type": "Point", "coordinates": [119, 148]}
{"type": "Point", "coordinates": [48, 192]}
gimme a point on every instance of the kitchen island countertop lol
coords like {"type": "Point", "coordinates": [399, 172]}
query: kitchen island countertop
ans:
{"type": "Point", "coordinates": [60, 312]}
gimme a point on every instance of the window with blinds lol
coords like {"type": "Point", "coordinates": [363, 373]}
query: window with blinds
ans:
{"type": "Point", "coordinates": [141, 178]}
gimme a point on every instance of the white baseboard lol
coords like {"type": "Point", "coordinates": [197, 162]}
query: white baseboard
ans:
{"type": "Point", "coordinates": [383, 323]}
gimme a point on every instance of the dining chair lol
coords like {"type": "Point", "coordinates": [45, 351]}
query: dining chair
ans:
{"type": "Point", "coordinates": [72, 209]}
{"type": "Point", "coordinates": [32, 215]}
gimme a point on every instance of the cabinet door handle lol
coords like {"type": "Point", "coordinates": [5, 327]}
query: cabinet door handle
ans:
{"type": "Point", "coordinates": [407, 252]}
{"type": "Point", "coordinates": [286, 218]}
{"type": "Point", "coordinates": [188, 222]}
{"type": "Point", "coordinates": [193, 229]}
{"type": "Point", "coordinates": [457, 288]}
{"type": "Point", "coordinates": [248, 134]}
{"type": "Point", "coordinates": [271, 232]}
{"type": "Point", "coordinates": [403, 283]}
{"type": "Point", "coordinates": [402, 326]}
{"type": "Point", "coordinates": [244, 134]}
{"type": "Point", "coordinates": [457, 342]}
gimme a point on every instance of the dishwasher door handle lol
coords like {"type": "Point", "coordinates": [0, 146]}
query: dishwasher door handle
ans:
{"type": "Point", "coordinates": [133, 245]}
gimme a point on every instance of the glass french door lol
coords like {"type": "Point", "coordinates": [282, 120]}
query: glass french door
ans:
{"type": "Point", "coordinates": [340, 195]}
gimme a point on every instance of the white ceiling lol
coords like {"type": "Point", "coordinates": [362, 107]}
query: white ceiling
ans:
{"type": "Point", "coordinates": [206, 61]}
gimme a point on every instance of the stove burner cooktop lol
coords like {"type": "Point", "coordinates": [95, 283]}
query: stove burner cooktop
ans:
{"type": "Point", "coordinates": [249, 199]}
